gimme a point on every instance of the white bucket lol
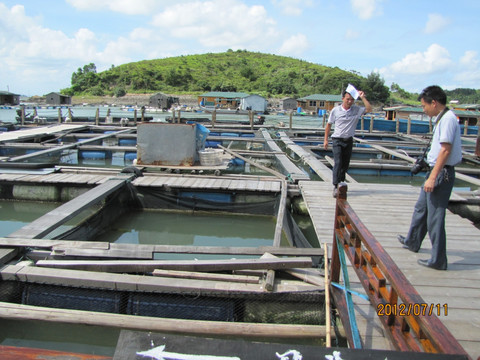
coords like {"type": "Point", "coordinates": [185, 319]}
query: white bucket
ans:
{"type": "Point", "coordinates": [210, 157]}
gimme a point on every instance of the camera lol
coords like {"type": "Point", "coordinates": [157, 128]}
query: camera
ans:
{"type": "Point", "coordinates": [419, 165]}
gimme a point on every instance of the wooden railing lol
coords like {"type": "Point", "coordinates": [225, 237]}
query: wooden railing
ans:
{"type": "Point", "coordinates": [409, 325]}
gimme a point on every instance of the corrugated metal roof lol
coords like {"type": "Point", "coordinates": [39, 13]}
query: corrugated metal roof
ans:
{"type": "Point", "coordinates": [225, 94]}
{"type": "Point", "coordinates": [322, 97]}
{"type": "Point", "coordinates": [7, 93]}
{"type": "Point", "coordinates": [414, 109]}
{"type": "Point", "coordinates": [467, 113]}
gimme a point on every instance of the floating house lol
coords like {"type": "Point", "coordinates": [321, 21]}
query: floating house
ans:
{"type": "Point", "coordinates": [8, 98]}
{"type": "Point", "coordinates": [404, 112]}
{"type": "Point", "coordinates": [55, 98]}
{"type": "Point", "coordinates": [254, 102]}
{"type": "Point", "coordinates": [416, 113]}
{"type": "Point", "coordinates": [221, 99]}
{"type": "Point", "coordinates": [314, 103]}
{"type": "Point", "coordinates": [162, 101]}
{"type": "Point", "coordinates": [288, 103]}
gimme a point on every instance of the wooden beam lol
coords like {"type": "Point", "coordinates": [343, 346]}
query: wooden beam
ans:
{"type": "Point", "coordinates": [207, 276]}
{"type": "Point", "coordinates": [141, 266]}
{"type": "Point", "coordinates": [69, 247]}
{"type": "Point", "coordinates": [254, 330]}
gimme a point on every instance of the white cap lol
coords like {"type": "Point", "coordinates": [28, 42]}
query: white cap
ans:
{"type": "Point", "coordinates": [352, 91]}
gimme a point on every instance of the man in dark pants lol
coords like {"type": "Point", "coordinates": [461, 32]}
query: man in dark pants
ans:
{"type": "Point", "coordinates": [345, 117]}
{"type": "Point", "coordinates": [445, 152]}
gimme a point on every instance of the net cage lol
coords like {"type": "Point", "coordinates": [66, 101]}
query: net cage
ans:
{"type": "Point", "coordinates": [296, 307]}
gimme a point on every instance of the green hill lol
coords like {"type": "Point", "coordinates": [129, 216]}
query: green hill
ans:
{"type": "Point", "coordinates": [242, 71]}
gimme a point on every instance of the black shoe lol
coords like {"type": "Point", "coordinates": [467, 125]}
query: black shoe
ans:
{"type": "Point", "coordinates": [427, 264]}
{"type": "Point", "coordinates": [402, 240]}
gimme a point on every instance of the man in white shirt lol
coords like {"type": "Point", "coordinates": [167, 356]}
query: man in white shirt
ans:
{"type": "Point", "coordinates": [345, 117]}
{"type": "Point", "coordinates": [445, 152]}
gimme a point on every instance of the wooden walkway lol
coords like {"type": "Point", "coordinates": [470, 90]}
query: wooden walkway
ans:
{"type": "Point", "coordinates": [263, 184]}
{"type": "Point", "coordinates": [386, 211]}
{"type": "Point", "coordinates": [31, 133]}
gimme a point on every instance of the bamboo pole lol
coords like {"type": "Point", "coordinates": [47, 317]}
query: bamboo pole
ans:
{"type": "Point", "coordinates": [409, 125]}
{"type": "Point", "coordinates": [59, 115]}
{"type": "Point", "coordinates": [327, 299]}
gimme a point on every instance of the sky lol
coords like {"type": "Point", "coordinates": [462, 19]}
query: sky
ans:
{"type": "Point", "coordinates": [413, 43]}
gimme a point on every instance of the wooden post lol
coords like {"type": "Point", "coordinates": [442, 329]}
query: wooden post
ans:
{"type": "Point", "coordinates": [23, 114]}
{"type": "Point", "coordinates": [97, 116]}
{"type": "Point", "coordinates": [397, 125]}
{"type": "Point", "coordinates": [290, 120]}
{"type": "Point", "coordinates": [324, 119]}
{"type": "Point", "coordinates": [362, 123]}
{"type": "Point", "coordinates": [214, 117]}
{"type": "Point", "coordinates": [179, 116]}
{"type": "Point", "coordinates": [477, 146]}
{"type": "Point", "coordinates": [59, 115]}
{"type": "Point", "coordinates": [328, 339]}
{"type": "Point", "coordinates": [371, 124]}
{"type": "Point", "coordinates": [465, 128]}
{"type": "Point", "coordinates": [143, 114]}
{"type": "Point", "coordinates": [409, 125]}
{"type": "Point", "coordinates": [135, 116]}
{"type": "Point", "coordinates": [250, 118]}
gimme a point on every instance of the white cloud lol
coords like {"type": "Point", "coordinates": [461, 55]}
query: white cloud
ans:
{"type": "Point", "coordinates": [294, 45]}
{"type": "Point", "coordinates": [292, 7]}
{"type": "Point", "coordinates": [129, 7]}
{"type": "Point", "coordinates": [469, 69]}
{"type": "Point", "coordinates": [366, 9]}
{"type": "Point", "coordinates": [435, 23]}
{"type": "Point", "coordinates": [436, 58]}
{"type": "Point", "coordinates": [218, 24]}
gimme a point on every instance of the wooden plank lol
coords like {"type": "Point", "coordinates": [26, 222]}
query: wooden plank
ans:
{"type": "Point", "coordinates": [183, 265]}
{"type": "Point", "coordinates": [63, 245]}
{"type": "Point", "coordinates": [207, 276]}
{"type": "Point", "coordinates": [127, 282]}
{"type": "Point", "coordinates": [50, 221]}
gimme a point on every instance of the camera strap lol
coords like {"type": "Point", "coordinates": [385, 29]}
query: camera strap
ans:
{"type": "Point", "coordinates": [439, 117]}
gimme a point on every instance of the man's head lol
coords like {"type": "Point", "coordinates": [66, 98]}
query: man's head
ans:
{"type": "Point", "coordinates": [347, 100]}
{"type": "Point", "coordinates": [433, 100]}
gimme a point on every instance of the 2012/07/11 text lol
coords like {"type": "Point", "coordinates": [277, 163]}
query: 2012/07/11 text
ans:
{"type": "Point", "coordinates": [412, 309]}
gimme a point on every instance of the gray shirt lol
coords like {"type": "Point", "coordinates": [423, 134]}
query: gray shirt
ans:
{"type": "Point", "coordinates": [345, 120]}
{"type": "Point", "coordinates": [446, 131]}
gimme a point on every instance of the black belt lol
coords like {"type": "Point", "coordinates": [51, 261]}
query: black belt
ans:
{"type": "Point", "coordinates": [343, 139]}
{"type": "Point", "coordinates": [448, 166]}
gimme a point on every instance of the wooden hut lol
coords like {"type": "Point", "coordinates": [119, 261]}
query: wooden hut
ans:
{"type": "Point", "coordinates": [221, 99]}
{"type": "Point", "coordinates": [8, 98]}
{"type": "Point", "coordinates": [288, 103]}
{"type": "Point", "coordinates": [55, 98]}
{"type": "Point", "coordinates": [162, 101]}
{"type": "Point", "coordinates": [314, 103]}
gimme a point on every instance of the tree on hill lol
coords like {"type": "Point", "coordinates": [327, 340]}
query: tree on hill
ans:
{"type": "Point", "coordinates": [243, 71]}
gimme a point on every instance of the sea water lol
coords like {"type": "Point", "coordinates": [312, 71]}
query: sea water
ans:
{"type": "Point", "coordinates": [155, 227]}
